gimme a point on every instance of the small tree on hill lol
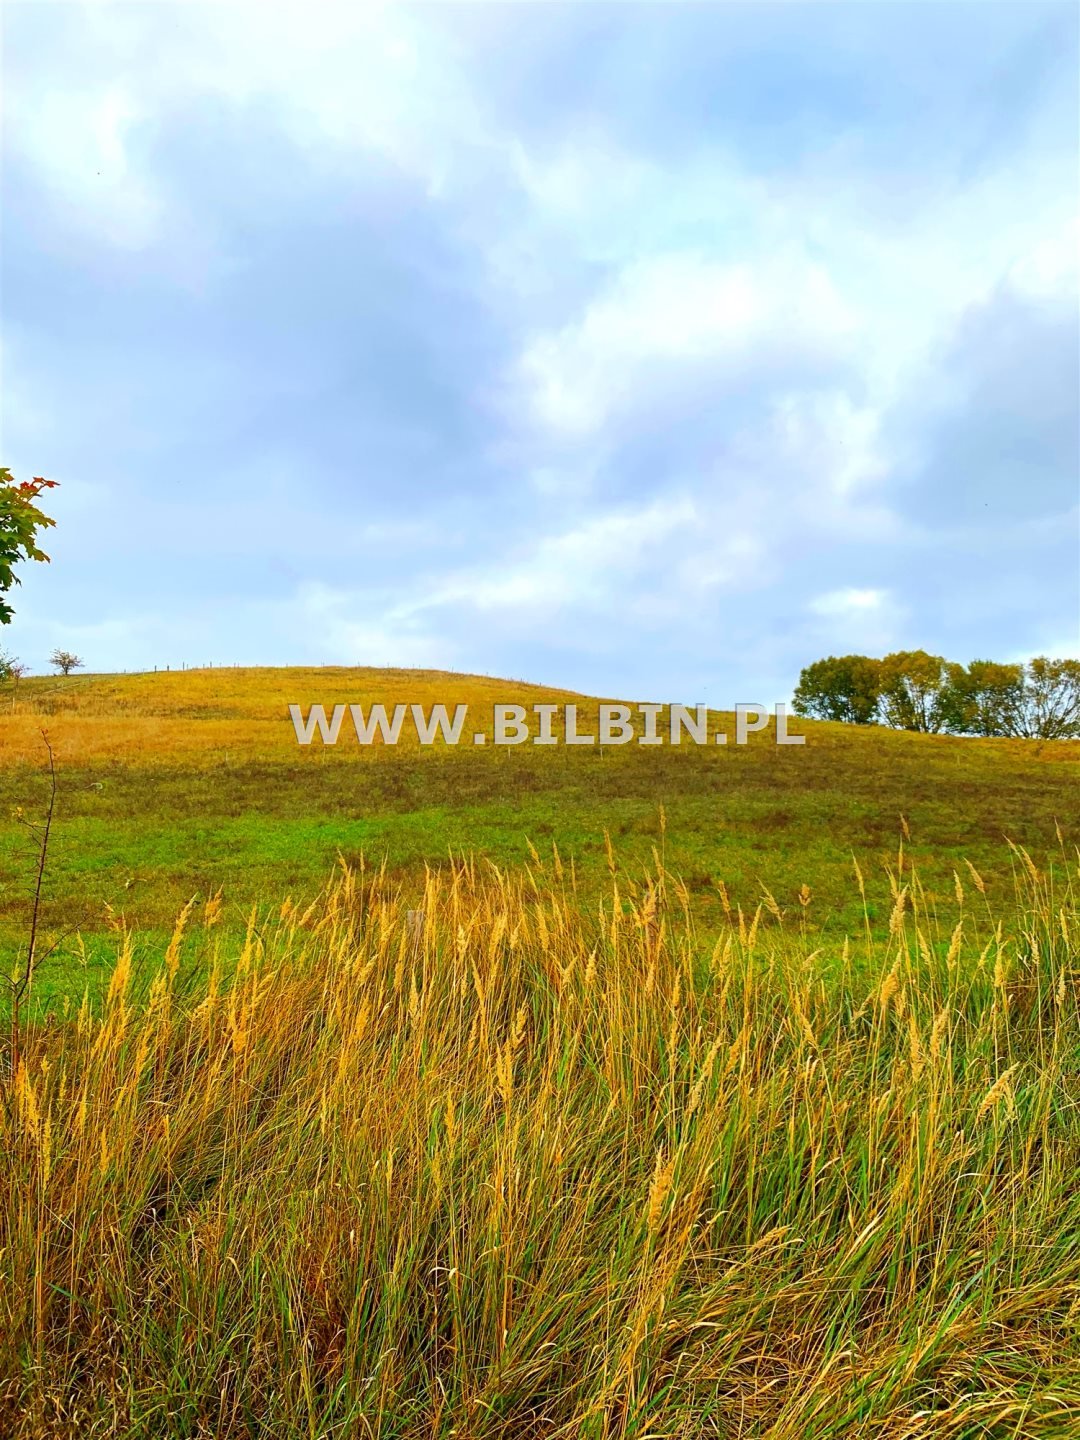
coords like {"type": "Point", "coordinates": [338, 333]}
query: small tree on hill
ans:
{"type": "Point", "coordinates": [65, 661]}
{"type": "Point", "coordinates": [20, 522]}
{"type": "Point", "coordinates": [845, 687]}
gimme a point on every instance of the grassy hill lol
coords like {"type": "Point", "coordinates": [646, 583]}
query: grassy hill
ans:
{"type": "Point", "coordinates": [179, 784]}
{"type": "Point", "coordinates": [605, 1144]}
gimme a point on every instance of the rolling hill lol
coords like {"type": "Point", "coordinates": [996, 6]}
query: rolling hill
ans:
{"type": "Point", "coordinates": [187, 783]}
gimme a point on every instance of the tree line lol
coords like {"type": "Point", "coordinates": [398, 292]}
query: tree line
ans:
{"type": "Point", "coordinates": [913, 690]}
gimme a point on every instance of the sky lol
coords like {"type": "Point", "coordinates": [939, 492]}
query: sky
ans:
{"type": "Point", "coordinates": [646, 350]}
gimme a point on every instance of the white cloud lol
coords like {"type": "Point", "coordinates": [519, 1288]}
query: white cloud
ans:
{"type": "Point", "coordinates": [361, 628]}
{"type": "Point", "coordinates": [614, 572]}
{"type": "Point", "coordinates": [356, 78]}
{"type": "Point", "coordinates": [864, 620]}
{"type": "Point", "coordinates": [1050, 268]}
{"type": "Point", "coordinates": [78, 139]}
{"type": "Point", "coordinates": [835, 438]}
{"type": "Point", "coordinates": [674, 308]}
{"type": "Point", "coordinates": [849, 602]}
{"type": "Point", "coordinates": [582, 566]}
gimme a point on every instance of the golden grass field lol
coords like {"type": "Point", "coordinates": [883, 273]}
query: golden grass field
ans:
{"type": "Point", "coordinates": [575, 1135]}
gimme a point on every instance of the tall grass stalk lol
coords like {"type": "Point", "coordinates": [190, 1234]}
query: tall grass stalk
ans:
{"type": "Point", "coordinates": [513, 1168]}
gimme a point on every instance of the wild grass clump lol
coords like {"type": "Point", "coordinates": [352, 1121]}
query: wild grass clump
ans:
{"type": "Point", "coordinates": [498, 1166]}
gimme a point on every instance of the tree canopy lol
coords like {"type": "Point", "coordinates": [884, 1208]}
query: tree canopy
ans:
{"type": "Point", "coordinates": [845, 687]}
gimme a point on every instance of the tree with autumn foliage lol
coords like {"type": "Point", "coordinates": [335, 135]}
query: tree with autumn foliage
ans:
{"type": "Point", "coordinates": [918, 691]}
{"type": "Point", "coordinates": [840, 687]}
{"type": "Point", "coordinates": [21, 520]}
{"type": "Point", "coordinates": [988, 698]}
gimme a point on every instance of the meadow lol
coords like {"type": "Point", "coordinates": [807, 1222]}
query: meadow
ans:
{"type": "Point", "coordinates": [185, 784]}
{"type": "Point", "coordinates": [534, 1093]}
{"type": "Point", "coordinates": [516, 1167]}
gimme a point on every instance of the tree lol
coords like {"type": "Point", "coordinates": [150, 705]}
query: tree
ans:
{"type": "Point", "coordinates": [987, 699]}
{"type": "Point", "coordinates": [1050, 704]}
{"type": "Point", "coordinates": [12, 669]}
{"type": "Point", "coordinates": [20, 522]}
{"type": "Point", "coordinates": [65, 661]}
{"type": "Point", "coordinates": [845, 687]}
{"type": "Point", "coordinates": [919, 690]}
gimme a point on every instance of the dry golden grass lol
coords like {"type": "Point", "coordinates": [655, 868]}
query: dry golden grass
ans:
{"type": "Point", "coordinates": [189, 716]}
{"type": "Point", "coordinates": [515, 1167]}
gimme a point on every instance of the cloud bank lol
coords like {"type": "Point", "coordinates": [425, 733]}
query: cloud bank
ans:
{"type": "Point", "coordinates": [652, 351]}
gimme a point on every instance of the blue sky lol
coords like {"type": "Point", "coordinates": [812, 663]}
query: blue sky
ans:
{"type": "Point", "coordinates": [649, 350]}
